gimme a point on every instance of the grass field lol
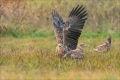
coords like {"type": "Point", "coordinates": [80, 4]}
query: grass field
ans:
{"type": "Point", "coordinates": [27, 40]}
{"type": "Point", "coordinates": [33, 58]}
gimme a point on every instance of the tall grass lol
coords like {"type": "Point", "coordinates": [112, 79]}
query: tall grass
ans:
{"type": "Point", "coordinates": [27, 40]}
{"type": "Point", "coordinates": [33, 58]}
{"type": "Point", "coordinates": [17, 17]}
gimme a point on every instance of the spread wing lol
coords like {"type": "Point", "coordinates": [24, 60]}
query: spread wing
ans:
{"type": "Point", "coordinates": [58, 24]}
{"type": "Point", "coordinates": [75, 22]}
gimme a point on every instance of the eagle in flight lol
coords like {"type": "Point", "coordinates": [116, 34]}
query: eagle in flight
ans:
{"type": "Point", "coordinates": [67, 33]}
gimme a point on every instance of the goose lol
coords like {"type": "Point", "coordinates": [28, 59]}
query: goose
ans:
{"type": "Point", "coordinates": [67, 33]}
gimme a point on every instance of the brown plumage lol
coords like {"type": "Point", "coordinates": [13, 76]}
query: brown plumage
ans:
{"type": "Point", "coordinates": [59, 50]}
{"type": "Point", "coordinates": [77, 53]}
{"type": "Point", "coordinates": [104, 47]}
{"type": "Point", "coordinates": [67, 33]}
{"type": "Point", "coordinates": [81, 46]}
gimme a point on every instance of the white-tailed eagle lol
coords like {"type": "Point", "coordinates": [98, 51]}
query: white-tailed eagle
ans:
{"type": "Point", "coordinates": [105, 46]}
{"type": "Point", "coordinates": [67, 33]}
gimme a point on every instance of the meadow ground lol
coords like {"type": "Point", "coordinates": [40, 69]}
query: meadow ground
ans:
{"type": "Point", "coordinates": [33, 58]}
{"type": "Point", "coordinates": [27, 40]}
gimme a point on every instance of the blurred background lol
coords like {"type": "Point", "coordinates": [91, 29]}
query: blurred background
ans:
{"type": "Point", "coordinates": [27, 40]}
{"type": "Point", "coordinates": [32, 18]}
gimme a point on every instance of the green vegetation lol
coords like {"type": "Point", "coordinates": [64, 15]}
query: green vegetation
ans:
{"type": "Point", "coordinates": [50, 33]}
{"type": "Point", "coordinates": [27, 40]}
{"type": "Point", "coordinates": [33, 58]}
{"type": "Point", "coordinates": [23, 18]}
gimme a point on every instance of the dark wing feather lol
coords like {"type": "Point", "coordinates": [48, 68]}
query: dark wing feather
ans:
{"type": "Point", "coordinates": [75, 24]}
{"type": "Point", "coordinates": [58, 24]}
